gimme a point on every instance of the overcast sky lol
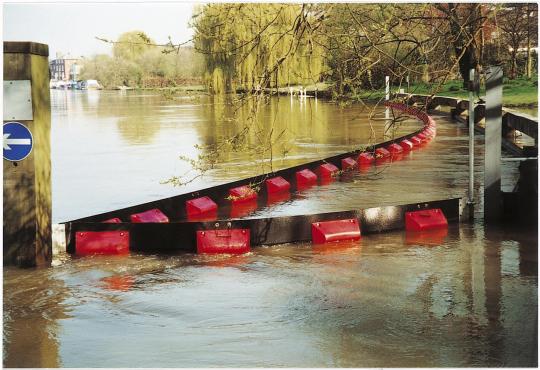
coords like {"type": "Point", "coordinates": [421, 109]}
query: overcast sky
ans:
{"type": "Point", "coordinates": [72, 27]}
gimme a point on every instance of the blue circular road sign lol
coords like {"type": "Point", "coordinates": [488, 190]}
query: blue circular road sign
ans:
{"type": "Point", "coordinates": [17, 141]}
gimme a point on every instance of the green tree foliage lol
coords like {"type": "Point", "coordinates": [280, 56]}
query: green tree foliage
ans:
{"type": "Point", "coordinates": [138, 62]}
{"type": "Point", "coordinates": [131, 45]}
{"type": "Point", "coordinates": [251, 46]}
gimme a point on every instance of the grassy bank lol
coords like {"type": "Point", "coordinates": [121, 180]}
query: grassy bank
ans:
{"type": "Point", "coordinates": [516, 93]}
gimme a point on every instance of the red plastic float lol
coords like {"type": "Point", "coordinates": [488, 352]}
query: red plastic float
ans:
{"type": "Point", "coordinates": [348, 163]}
{"type": "Point", "coordinates": [395, 148]}
{"type": "Point", "coordinates": [333, 231]}
{"type": "Point", "coordinates": [200, 206]}
{"type": "Point", "coordinates": [406, 145]}
{"type": "Point", "coordinates": [381, 153]}
{"type": "Point", "coordinates": [242, 194]}
{"type": "Point", "coordinates": [114, 220]}
{"type": "Point", "coordinates": [101, 242]}
{"type": "Point", "coordinates": [277, 185]}
{"type": "Point", "coordinates": [327, 170]}
{"type": "Point", "coordinates": [153, 215]}
{"type": "Point", "coordinates": [427, 219]}
{"type": "Point", "coordinates": [423, 138]}
{"type": "Point", "coordinates": [228, 241]}
{"type": "Point", "coordinates": [365, 158]}
{"type": "Point", "coordinates": [305, 179]}
{"type": "Point", "coordinates": [415, 141]}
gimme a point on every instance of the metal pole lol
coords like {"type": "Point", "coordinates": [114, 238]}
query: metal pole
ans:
{"type": "Point", "coordinates": [408, 85]}
{"type": "Point", "coordinates": [387, 97]}
{"type": "Point", "coordinates": [471, 138]}
{"type": "Point", "coordinates": [492, 151]}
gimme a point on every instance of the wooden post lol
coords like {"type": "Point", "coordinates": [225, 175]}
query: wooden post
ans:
{"type": "Point", "coordinates": [27, 183]}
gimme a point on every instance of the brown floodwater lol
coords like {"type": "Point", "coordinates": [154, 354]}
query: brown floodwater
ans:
{"type": "Point", "coordinates": [466, 297]}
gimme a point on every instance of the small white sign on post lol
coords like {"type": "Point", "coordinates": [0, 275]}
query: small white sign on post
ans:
{"type": "Point", "coordinates": [18, 101]}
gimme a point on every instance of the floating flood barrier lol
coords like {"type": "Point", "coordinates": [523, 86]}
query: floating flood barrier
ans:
{"type": "Point", "coordinates": [153, 215]}
{"type": "Point", "coordinates": [183, 236]}
{"type": "Point", "coordinates": [348, 164]}
{"type": "Point", "coordinates": [335, 231]}
{"type": "Point", "coordinates": [277, 185]}
{"type": "Point", "coordinates": [200, 206]}
{"type": "Point", "coordinates": [327, 170]}
{"type": "Point", "coordinates": [102, 242]}
{"type": "Point", "coordinates": [190, 221]}
{"type": "Point", "coordinates": [428, 219]}
{"type": "Point", "coordinates": [228, 241]}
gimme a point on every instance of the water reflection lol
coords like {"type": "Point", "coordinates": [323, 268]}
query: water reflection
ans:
{"type": "Point", "coordinates": [34, 302]}
{"type": "Point", "coordinates": [377, 302]}
{"type": "Point", "coordinates": [137, 130]}
{"type": "Point", "coordinates": [102, 138]}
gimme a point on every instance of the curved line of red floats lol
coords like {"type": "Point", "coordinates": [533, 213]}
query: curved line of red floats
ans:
{"type": "Point", "coordinates": [205, 209]}
{"type": "Point", "coordinates": [244, 200]}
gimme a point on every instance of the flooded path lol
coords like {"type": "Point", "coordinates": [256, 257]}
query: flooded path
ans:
{"type": "Point", "coordinates": [466, 298]}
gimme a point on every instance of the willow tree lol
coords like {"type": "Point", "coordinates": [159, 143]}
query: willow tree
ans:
{"type": "Point", "coordinates": [254, 46]}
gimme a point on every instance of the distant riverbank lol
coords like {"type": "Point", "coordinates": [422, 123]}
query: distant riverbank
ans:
{"type": "Point", "coordinates": [519, 93]}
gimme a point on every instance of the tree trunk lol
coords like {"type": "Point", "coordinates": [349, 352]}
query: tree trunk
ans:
{"type": "Point", "coordinates": [514, 64]}
{"type": "Point", "coordinates": [529, 56]}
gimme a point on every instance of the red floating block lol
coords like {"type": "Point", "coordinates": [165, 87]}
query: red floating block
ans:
{"type": "Point", "coordinates": [326, 170]}
{"type": "Point", "coordinates": [153, 215]}
{"type": "Point", "coordinates": [422, 137]}
{"type": "Point", "coordinates": [242, 194]}
{"type": "Point", "coordinates": [333, 231]}
{"type": "Point", "coordinates": [229, 241]}
{"type": "Point", "coordinates": [381, 153]}
{"type": "Point", "coordinates": [430, 132]}
{"type": "Point", "coordinates": [101, 242]}
{"type": "Point", "coordinates": [305, 178]}
{"type": "Point", "coordinates": [427, 219]}
{"type": "Point", "coordinates": [365, 158]}
{"type": "Point", "coordinates": [348, 163]}
{"type": "Point", "coordinates": [200, 206]}
{"type": "Point", "coordinates": [406, 145]}
{"type": "Point", "coordinates": [395, 149]}
{"type": "Point", "coordinates": [415, 141]}
{"type": "Point", "coordinates": [115, 220]}
{"type": "Point", "coordinates": [277, 185]}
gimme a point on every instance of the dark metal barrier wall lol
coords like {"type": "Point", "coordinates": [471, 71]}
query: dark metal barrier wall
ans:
{"type": "Point", "coordinates": [180, 236]}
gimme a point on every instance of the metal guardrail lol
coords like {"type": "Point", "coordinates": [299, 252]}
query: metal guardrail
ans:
{"type": "Point", "coordinates": [510, 119]}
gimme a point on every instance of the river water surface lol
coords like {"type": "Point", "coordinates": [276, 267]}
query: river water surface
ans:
{"type": "Point", "coordinates": [467, 297]}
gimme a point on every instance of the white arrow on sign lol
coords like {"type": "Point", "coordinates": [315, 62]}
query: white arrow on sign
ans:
{"type": "Point", "coordinates": [8, 142]}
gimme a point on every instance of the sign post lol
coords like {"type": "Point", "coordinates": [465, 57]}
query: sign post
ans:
{"type": "Point", "coordinates": [26, 151]}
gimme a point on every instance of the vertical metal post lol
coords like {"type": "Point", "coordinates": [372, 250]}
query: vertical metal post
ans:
{"type": "Point", "coordinates": [408, 85]}
{"type": "Point", "coordinates": [492, 151]}
{"type": "Point", "coordinates": [387, 97]}
{"type": "Point", "coordinates": [471, 140]}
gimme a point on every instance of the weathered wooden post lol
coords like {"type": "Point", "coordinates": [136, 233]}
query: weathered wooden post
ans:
{"type": "Point", "coordinates": [492, 151]}
{"type": "Point", "coordinates": [26, 149]}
